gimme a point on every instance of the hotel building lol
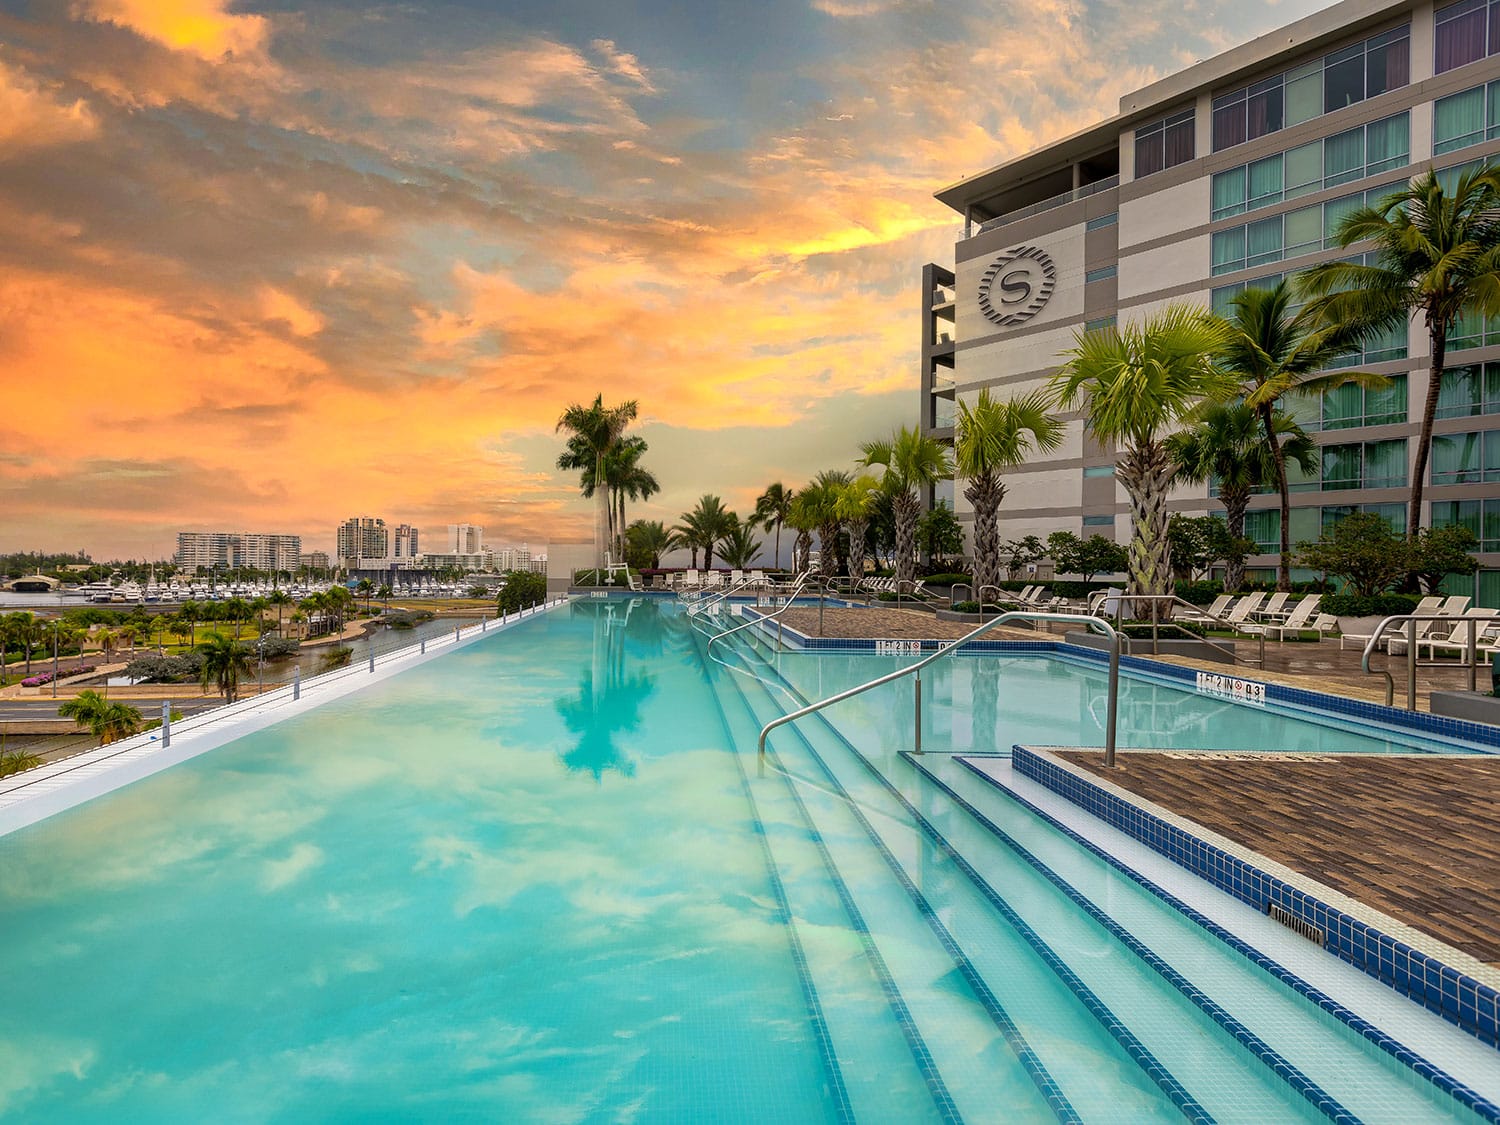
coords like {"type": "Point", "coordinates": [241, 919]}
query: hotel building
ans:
{"type": "Point", "coordinates": [361, 537]}
{"type": "Point", "coordinates": [204, 550]}
{"type": "Point", "coordinates": [1235, 172]}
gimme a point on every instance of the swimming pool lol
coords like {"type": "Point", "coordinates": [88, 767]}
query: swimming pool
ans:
{"type": "Point", "coordinates": [540, 878]}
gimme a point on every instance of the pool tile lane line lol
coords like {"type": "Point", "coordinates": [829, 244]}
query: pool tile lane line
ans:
{"type": "Point", "coordinates": [34, 795]}
{"type": "Point", "coordinates": [1244, 876]}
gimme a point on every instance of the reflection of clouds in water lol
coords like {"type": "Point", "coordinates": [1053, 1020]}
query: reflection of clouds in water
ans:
{"type": "Point", "coordinates": [279, 873]}
{"type": "Point", "coordinates": [37, 1062]}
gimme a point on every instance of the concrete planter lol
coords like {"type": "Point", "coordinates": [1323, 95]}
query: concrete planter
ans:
{"type": "Point", "coordinates": [1141, 646]}
{"type": "Point", "coordinates": [1470, 705]}
{"type": "Point", "coordinates": [1360, 626]}
{"type": "Point", "coordinates": [978, 618]}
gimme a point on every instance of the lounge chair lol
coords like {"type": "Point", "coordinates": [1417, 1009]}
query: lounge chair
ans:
{"type": "Point", "coordinates": [1240, 613]}
{"type": "Point", "coordinates": [1457, 640]}
{"type": "Point", "coordinates": [1272, 608]}
{"type": "Point", "coordinates": [1217, 610]}
{"type": "Point", "coordinates": [1298, 619]}
{"type": "Point", "coordinates": [1456, 605]}
{"type": "Point", "coordinates": [1395, 642]}
{"type": "Point", "coordinates": [689, 579]}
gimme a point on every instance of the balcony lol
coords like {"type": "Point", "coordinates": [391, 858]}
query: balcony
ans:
{"type": "Point", "coordinates": [1049, 204]}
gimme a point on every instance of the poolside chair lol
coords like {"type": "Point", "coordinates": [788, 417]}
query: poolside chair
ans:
{"type": "Point", "coordinates": [1455, 606]}
{"type": "Point", "coordinates": [1326, 624]}
{"type": "Point", "coordinates": [1457, 640]}
{"type": "Point", "coordinates": [1272, 608]}
{"type": "Point", "coordinates": [736, 577]}
{"type": "Point", "coordinates": [1221, 604]}
{"type": "Point", "coordinates": [1242, 610]}
{"type": "Point", "coordinates": [712, 580]}
{"type": "Point", "coordinates": [1297, 620]}
{"type": "Point", "coordinates": [1395, 642]}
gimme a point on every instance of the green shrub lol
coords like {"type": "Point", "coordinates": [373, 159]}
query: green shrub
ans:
{"type": "Point", "coordinates": [337, 658]}
{"type": "Point", "coordinates": [155, 669]}
{"type": "Point", "coordinates": [522, 590]}
{"type": "Point", "coordinates": [407, 619]}
{"type": "Point", "coordinates": [949, 579]}
{"type": "Point", "coordinates": [1199, 593]}
{"type": "Point", "coordinates": [1362, 605]}
{"type": "Point", "coordinates": [965, 607]}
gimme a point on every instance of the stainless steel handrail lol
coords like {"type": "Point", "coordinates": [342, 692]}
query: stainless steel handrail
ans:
{"type": "Point", "coordinates": [1172, 599]}
{"type": "Point", "coordinates": [790, 598]}
{"type": "Point", "coordinates": [695, 607]}
{"type": "Point", "coordinates": [1471, 648]}
{"type": "Point", "coordinates": [947, 650]}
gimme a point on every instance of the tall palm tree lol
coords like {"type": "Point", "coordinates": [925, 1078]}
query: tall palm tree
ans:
{"type": "Point", "coordinates": [366, 589]}
{"type": "Point", "coordinates": [801, 517]}
{"type": "Point", "coordinates": [651, 539]}
{"type": "Point", "coordinates": [823, 495]}
{"type": "Point", "coordinates": [912, 462]}
{"type": "Point", "coordinates": [596, 430]}
{"type": "Point", "coordinates": [704, 526]}
{"type": "Point", "coordinates": [280, 599]}
{"type": "Point", "coordinates": [225, 660]}
{"type": "Point", "coordinates": [1135, 383]}
{"type": "Point", "coordinates": [627, 478]}
{"type": "Point", "coordinates": [738, 545]}
{"type": "Point", "coordinates": [855, 505]}
{"type": "Point", "coordinates": [107, 721]}
{"type": "Point", "coordinates": [1274, 352]}
{"type": "Point", "coordinates": [991, 437]}
{"type": "Point", "coordinates": [1437, 254]}
{"type": "Point", "coordinates": [1227, 445]}
{"type": "Point", "coordinates": [771, 509]}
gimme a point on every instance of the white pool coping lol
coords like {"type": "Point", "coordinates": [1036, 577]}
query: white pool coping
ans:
{"type": "Point", "coordinates": [32, 796]}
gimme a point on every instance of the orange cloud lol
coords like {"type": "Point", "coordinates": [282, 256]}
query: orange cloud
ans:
{"type": "Point", "coordinates": [31, 115]}
{"type": "Point", "coordinates": [201, 27]}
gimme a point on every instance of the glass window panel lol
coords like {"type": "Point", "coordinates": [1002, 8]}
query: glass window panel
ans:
{"type": "Point", "coordinates": [1304, 92]}
{"type": "Point", "coordinates": [1304, 169]}
{"type": "Point", "coordinates": [1492, 455]}
{"type": "Point", "coordinates": [1344, 157]}
{"type": "Point", "coordinates": [1304, 231]}
{"type": "Point", "coordinates": [1489, 531]}
{"type": "Point", "coordinates": [1461, 392]}
{"type": "Point", "coordinates": [1387, 143]}
{"type": "Point", "coordinates": [1098, 521]}
{"type": "Point", "coordinates": [1099, 471]}
{"type": "Point", "coordinates": [1341, 466]}
{"type": "Point", "coordinates": [1459, 35]}
{"type": "Point", "coordinates": [1229, 250]}
{"type": "Point", "coordinates": [1263, 108]}
{"type": "Point", "coordinates": [1455, 458]}
{"type": "Point", "coordinates": [1385, 464]}
{"type": "Point", "coordinates": [1149, 152]}
{"type": "Point", "coordinates": [1387, 65]}
{"type": "Point", "coordinates": [1344, 78]}
{"type": "Point", "coordinates": [1263, 241]}
{"type": "Point", "coordinates": [1102, 221]}
{"type": "Point", "coordinates": [1385, 406]}
{"type": "Point", "coordinates": [1179, 140]}
{"type": "Point", "coordinates": [1103, 273]}
{"type": "Point", "coordinates": [1229, 126]}
{"type": "Point", "coordinates": [1458, 120]}
{"type": "Point", "coordinates": [1263, 527]}
{"type": "Point", "coordinates": [1388, 343]}
{"type": "Point", "coordinates": [1221, 300]}
{"type": "Point", "coordinates": [1493, 111]}
{"type": "Point", "coordinates": [1465, 513]}
{"type": "Point", "coordinates": [1305, 526]}
{"type": "Point", "coordinates": [1265, 182]}
{"type": "Point", "coordinates": [1393, 514]}
{"type": "Point", "coordinates": [1229, 192]}
{"type": "Point", "coordinates": [1492, 388]}
{"type": "Point", "coordinates": [1333, 214]}
{"type": "Point", "coordinates": [1306, 410]}
{"type": "Point", "coordinates": [1343, 407]}
{"type": "Point", "coordinates": [1467, 332]}
{"type": "Point", "coordinates": [1298, 481]}
{"type": "Point", "coordinates": [1333, 513]}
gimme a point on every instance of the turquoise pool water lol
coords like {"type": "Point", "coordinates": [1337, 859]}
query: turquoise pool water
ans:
{"type": "Point", "coordinates": [538, 879]}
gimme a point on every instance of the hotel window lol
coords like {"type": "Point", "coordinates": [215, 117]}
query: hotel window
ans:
{"type": "Point", "coordinates": [1096, 325]}
{"type": "Point", "coordinates": [1465, 119]}
{"type": "Point", "coordinates": [1102, 221]}
{"type": "Point", "coordinates": [1482, 517]}
{"type": "Point", "coordinates": [1465, 32]}
{"type": "Point", "coordinates": [1352, 405]}
{"type": "Point", "coordinates": [1103, 273]}
{"type": "Point", "coordinates": [1091, 471]}
{"type": "Point", "coordinates": [1472, 331]}
{"type": "Point", "coordinates": [1466, 458]}
{"type": "Point", "coordinates": [1370, 464]}
{"type": "Point", "coordinates": [1164, 144]}
{"type": "Point", "coordinates": [1393, 514]}
{"type": "Point", "coordinates": [1263, 528]}
{"type": "Point", "coordinates": [1469, 391]}
{"type": "Point", "coordinates": [1348, 156]}
{"type": "Point", "coordinates": [1354, 74]}
{"type": "Point", "coordinates": [1098, 521]}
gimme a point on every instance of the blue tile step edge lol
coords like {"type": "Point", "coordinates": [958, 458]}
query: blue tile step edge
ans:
{"type": "Point", "coordinates": [1222, 685]}
{"type": "Point", "coordinates": [1459, 988]}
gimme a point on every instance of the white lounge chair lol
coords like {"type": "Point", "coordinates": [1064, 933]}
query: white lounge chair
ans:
{"type": "Point", "coordinates": [1240, 612]}
{"type": "Point", "coordinates": [1395, 642]}
{"type": "Point", "coordinates": [1298, 619]}
{"type": "Point", "coordinates": [1457, 639]}
{"type": "Point", "coordinates": [1220, 604]}
{"type": "Point", "coordinates": [1272, 608]}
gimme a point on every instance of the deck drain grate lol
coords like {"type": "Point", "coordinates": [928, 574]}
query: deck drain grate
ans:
{"type": "Point", "coordinates": [1292, 922]}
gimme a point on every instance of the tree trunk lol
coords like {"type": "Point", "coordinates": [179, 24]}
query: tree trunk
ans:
{"type": "Point", "coordinates": [1235, 501]}
{"type": "Point", "coordinates": [776, 561]}
{"type": "Point", "coordinates": [601, 511]}
{"type": "Point", "coordinates": [828, 547]}
{"type": "Point", "coordinates": [1437, 333]}
{"type": "Point", "coordinates": [1146, 473]}
{"type": "Point", "coordinates": [984, 493]}
{"type": "Point", "coordinates": [857, 529]}
{"type": "Point", "coordinates": [802, 552]}
{"type": "Point", "coordinates": [1284, 561]}
{"type": "Point", "coordinates": [907, 510]}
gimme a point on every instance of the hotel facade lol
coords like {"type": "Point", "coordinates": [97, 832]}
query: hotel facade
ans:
{"type": "Point", "coordinates": [1233, 173]}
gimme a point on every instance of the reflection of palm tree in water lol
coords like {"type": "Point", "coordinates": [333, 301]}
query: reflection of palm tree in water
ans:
{"type": "Point", "coordinates": [609, 700]}
{"type": "Point", "coordinates": [985, 734]}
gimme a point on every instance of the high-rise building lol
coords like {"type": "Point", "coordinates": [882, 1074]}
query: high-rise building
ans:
{"type": "Point", "coordinates": [464, 539]}
{"type": "Point", "coordinates": [1233, 173]}
{"type": "Point", "coordinates": [314, 560]}
{"type": "Point", "coordinates": [361, 537]}
{"type": "Point", "coordinates": [406, 542]}
{"type": "Point", "coordinates": [229, 549]}
{"type": "Point", "coordinates": [513, 558]}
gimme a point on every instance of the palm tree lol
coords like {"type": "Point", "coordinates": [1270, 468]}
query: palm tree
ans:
{"type": "Point", "coordinates": [191, 613]}
{"type": "Point", "coordinates": [990, 438]}
{"type": "Point", "coordinates": [913, 462]}
{"type": "Point", "coordinates": [626, 478]}
{"type": "Point", "coordinates": [1226, 445]}
{"type": "Point", "coordinates": [297, 618]}
{"type": "Point", "coordinates": [704, 526]}
{"type": "Point", "coordinates": [855, 505]}
{"type": "Point", "coordinates": [801, 517]}
{"type": "Point", "coordinates": [365, 588]}
{"type": "Point", "coordinates": [384, 593]}
{"type": "Point", "coordinates": [771, 509]}
{"type": "Point", "coordinates": [649, 538]}
{"type": "Point", "coordinates": [823, 495]}
{"type": "Point", "coordinates": [280, 599]}
{"type": "Point", "coordinates": [107, 721]}
{"type": "Point", "coordinates": [738, 545]}
{"type": "Point", "coordinates": [595, 430]}
{"type": "Point", "coordinates": [224, 661]}
{"type": "Point", "coordinates": [236, 610]}
{"type": "Point", "coordinates": [1134, 384]}
{"type": "Point", "coordinates": [1437, 254]}
{"type": "Point", "coordinates": [1273, 353]}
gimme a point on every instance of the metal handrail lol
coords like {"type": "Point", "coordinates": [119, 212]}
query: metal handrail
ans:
{"type": "Point", "coordinates": [1172, 599]}
{"type": "Point", "coordinates": [790, 598]}
{"type": "Point", "coordinates": [1471, 648]}
{"type": "Point", "coordinates": [695, 606]}
{"type": "Point", "coordinates": [948, 649]}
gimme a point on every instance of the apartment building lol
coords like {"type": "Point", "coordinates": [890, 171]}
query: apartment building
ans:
{"type": "Point", "coordinates": [407, 542]}
{"type": "Point", "coordinates": [1235, 172]}
{"type": "Point", "coordinates": [362, 537]}
{"type": "Point", "coordinates": [229, 549]}
{"type": "Point", "coordinates": [464, 539]}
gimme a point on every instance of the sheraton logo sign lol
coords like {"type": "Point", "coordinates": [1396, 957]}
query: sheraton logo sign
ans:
{"type": "Point", "coordinates": [1016, 285]}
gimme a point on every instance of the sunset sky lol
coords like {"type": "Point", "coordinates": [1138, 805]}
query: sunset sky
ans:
{"type": "Point", "coordinates": [267, 265]}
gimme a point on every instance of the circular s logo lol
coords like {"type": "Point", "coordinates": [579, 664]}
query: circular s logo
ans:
{"type": "Point", "coordinates": [1016, 285]}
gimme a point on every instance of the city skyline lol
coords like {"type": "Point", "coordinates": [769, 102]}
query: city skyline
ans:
{"type": "Point", "coordinates": [262, 258]}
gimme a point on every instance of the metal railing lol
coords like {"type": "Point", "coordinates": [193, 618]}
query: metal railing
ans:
{"type": "Point", "coordinates": [274, 696]}
{"type": "Point", "coordinates": [802, 583]}
{"type": "Point", "coordinates": [1411, 620]}
{"type": "Point", "coordinates": [1157, 623]}
{"type": "Point", "coordinates": [1059, 200]}
{"type": "Point", "coordinates": [1095, 623]}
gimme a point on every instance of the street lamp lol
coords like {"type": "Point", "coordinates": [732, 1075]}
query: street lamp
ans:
{"type": "Point", "coordinates": [56, 626]}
